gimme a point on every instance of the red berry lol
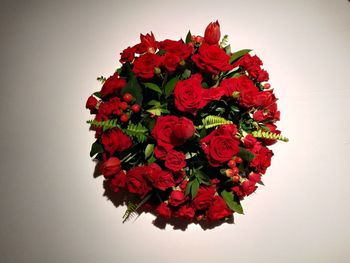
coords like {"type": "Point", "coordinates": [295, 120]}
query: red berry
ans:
{"type": "Point", "coordinates": [267, 85]}
{"type": "Point", "coordinates": [135, 108]}
{"type": "Point", "coordinates": [124, 118]}
{"type": "Point", "coordinates": [231, 163]}
{"type": "Point", "coordinates": [123, 105]}
{"type": "Point", "coordinates": [235, 170]}
{"type": "Point", "coordinates": [127, 97]}
{"type": "Point", "coordinates": [229, 172]}
{"type": "Point", "coordinates": [236, 178]}
{"type": "Point", "coordinates": [238, 159]}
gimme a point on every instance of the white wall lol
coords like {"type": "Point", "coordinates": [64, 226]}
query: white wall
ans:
{"type": "Point", "coordinates": [52, 209]}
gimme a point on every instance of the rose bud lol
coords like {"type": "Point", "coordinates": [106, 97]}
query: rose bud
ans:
{"type": "Point", "coordinates": [149, 42]}
{"type": "Point", "coordinates": [184, 129]}
{"type": "Point", "coordinates": [212, 33]}
{"type": "Point", "coordinates": [110, 167]}
{"type": "Point", "coordinates": [91, 103]}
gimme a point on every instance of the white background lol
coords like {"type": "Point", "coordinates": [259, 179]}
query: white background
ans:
{"type": "Point", "coordinates": [53, 210]}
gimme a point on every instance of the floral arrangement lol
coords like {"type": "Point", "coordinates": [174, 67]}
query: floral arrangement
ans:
{"type": "Point", "coordinates": [183, 126]}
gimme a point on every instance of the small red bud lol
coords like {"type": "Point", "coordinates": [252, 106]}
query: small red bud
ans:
{"type": "Point", "coordinates": [135, 108]}
{"type": "Point", "coordinates": [124, 118]}
{"type": "Point", "coordinates": [127, 97]}
{"type": "Point", "coordinates": [229, 172]}
{"type": "Point", "coordinates": [267, 86]}
{"type": "Point", "coordinates": [123, 105]}
{"type": "Point", "coordinates": [231, 163]}
{"type": "Point", "coordinates": [236, 178]}
{"type": "Point", "coordinates": [238, 159]}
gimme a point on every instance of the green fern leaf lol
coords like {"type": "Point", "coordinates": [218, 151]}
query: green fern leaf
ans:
{"type": "Point", "coordinates": [213, 121]}
{"type": "Point", "coordinates": [133, 206]}
{"type": "Point", "coordinates": [105, 125]}
{"type": "Point", "coordinates": [137, 131]}
{"type": "Point", "coordinates": [269, 135]}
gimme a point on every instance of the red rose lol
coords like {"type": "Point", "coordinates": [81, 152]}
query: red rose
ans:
{"type": "Point", "coordinates": [204, 198]}
{"type": "Point", "coordinates": [91, 103]}
{"type": "Point", "coordinates": [220, 145]}
{"type": "Point", "coordinates": [238, 191]}
{"type": "Point", "coordinates": [249, 141]}
{"type": "Point", "coordinates": [212, 33]}
{"type": "Point", "coordinates": [176, 48]}
{"type": "Point", "coordinates": [163, 131]}
{"type": "Point", "coordinates": [212, 59]}
{"type": "Point", "coordinates": [186, 212]}
{"type": "Point", "coordinates": [179, 176]}
{"type": "Point", "coordinates": [149, 42]}
{"type": "Point", "coordinates": [119, 181]}
{"type": "Point", "coordinates": [248, 187]}
{"type": "Point", "coordinates": [218, 209]}
{"type": "Point", "coordinates": [160, 152]}
{"type": "Point", "coordinates": [159, 178]}
{"type": "Point", "coordinates": [114, 140]}
{"type": "Point", "coordinates": [176, 198]}
{"type": "Point", "coordinates": [112, 86]}
{"type": "Point", "coordinates": [110, 167]}
{"type": "Point", "coordinates": [273, 128]}
{"type": "Point", "coordinates": [184, 129]}
{"type": "Point", "coordinates": [262, 159]}
{"type": "Point", "coordinates": [144, 65]}
{"type": "Point", "coordinates": [163, 210]}
{"type": "Point", "coordinates": [254, 177]}
{"type": "Point", "coordinates": [175, 161]}
{"type": "Point", "coordinates": [127, 55]}
{"type": "Point", "coordinates": [109, 108]}
{"type": "Point", "coordinates": [136, 181]}
{"type": "Point", "coordinates": [170, 62]}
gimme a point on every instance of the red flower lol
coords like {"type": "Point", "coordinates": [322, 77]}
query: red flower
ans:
{"type": "Point", "coordinates": [212, 33]}
{"type": "Point", "coordinates": [112, 86]}
{"type": "Point", "coordinates": [175, 161]}
{"type": "Point", "coordinates": [254, 177]}
{"type": "Point", "coordinates": [170, 62]}
{"type": "Point", "coordinates": [137, 182]}
{"type": "Point", "coordinates": [186, 212]}
{"type": "Point", "coordinates": [127, 55]}
{"type": "Point", "coordinates": [249, 187]}
{"type": "Point", "coordinates": [149, 42]}
{"type": "Point", "coordinates": [114, 140]}
{"type": "Point", "coordinates": [145, 65]}
{"type": "Point", "coordinates": [161, 152]}
{"type": "Point", "coordinates": [91, 103]}
{"type": "Point", "coordinates": [110, 167]}
{"type": "Point", "coordinates": [212, 59]}
{"type": "Point", "coordinates": [249, 141]}
{"type": "Point", "coordinates": [204, 198]}
{"type": "Point", "coordinates": [159, 178]}
{"type": "Point", "coordinates": [218, 209]}
{"type": "Point", "coordinates": [176, 48]}
{"type": "Point", "coordinates": [184, 129]}
{"type": "Point", "coordinates": [119, 181]}
{"type": "Point", "coordinates": [190, 96]}
{"type": "Point", "coordinates": [262, 159]}
{"type": "Point", "coordinates": [220, 145]}
{"type": "Point", "coordinates": [163, 210]}
{"type": "Point", "coordinates": [176, 198]}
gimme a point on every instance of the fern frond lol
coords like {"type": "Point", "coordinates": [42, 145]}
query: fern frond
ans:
{"type": "Point", "coordinates": [224, 42]}
{"type": "Point", "coordinates": [132, 208]}
{"type": "Point", "coordinates": [137, 131]}
{"type": "Point", "coordinates": [269, 135]}
{"type": "Point", "coordinates": [105, 125]}
{"type": "Point", "coordinates": [213, 121]}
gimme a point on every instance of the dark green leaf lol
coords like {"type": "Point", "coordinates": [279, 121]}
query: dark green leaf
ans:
{"type": "Point", "coordinates": [151, 160]}
{"type": "Point", "coordinates": [188, 187]}
{"type": "Point", "coordinates": [149, 150]}
{"type": "Point", "coordinates": [98, 95]}
{"type": "Point", "coordinates": [203, 133]}
{"type": "Point", "coordinates": [246, 154]}
{"type": "Point", "coordinates": [194, 188]}
{"type": "Point", "coordinates": [202, 177]}
{"type": "Point", "coordinates": [234, 108]}
{"type": "Point", "coordinates": [169, 87]}
{"type": "Point", "coordinates": [231, 203]}
{"type": "Point", "coordinates": [188, 37]}
{"type": "Point", "coordinates": [96, 148]}
{"type": "Point", "coordinates": [154, 87]}
{"type": "Point", "coordinates": [237, 55]}
{"type": "Point", "coordinates": [134, 88]}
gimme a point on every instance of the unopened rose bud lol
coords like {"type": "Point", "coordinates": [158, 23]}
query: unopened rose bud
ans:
{"type": "Point", "coordinates": [149, 42]}
{"type": "Point", "coordinates": [235, 94]}
{"type": "Point", "coordinates": [110, 167]}
{"type": "Point", "coordinates": [197, 39]}
{"type": "Point", "coordinates": [91, 103]}
{"type": "Point", "coordinates": [212, 33]}
{"type": "Point", "coordinates": [184, 129]}
{"type": "Point", "coordinates": [157, 71]}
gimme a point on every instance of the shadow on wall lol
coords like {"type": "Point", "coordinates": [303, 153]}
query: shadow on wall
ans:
{"type": "Point", "coordinates": [123, 197]}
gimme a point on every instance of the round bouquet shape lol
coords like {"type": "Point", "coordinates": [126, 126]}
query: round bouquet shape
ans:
{"type": "Point", "coordinates": [183, 127]}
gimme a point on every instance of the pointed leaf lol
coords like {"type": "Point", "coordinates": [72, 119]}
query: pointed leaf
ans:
{"type": "Point", "coordinates": [96, 148]}
{"type": "Point", "coordinates": [188, 37]}
{"type": "Point", "coordinates": [246, 154]}
{"type": "Point", "coordinates": [154, 87]}
{"type": "Point", "coordinates": [194, 188]}
{"type": "Point", "coordinates": [149, 150]}
{"type": "Point", "coordinates": [231, 203]}
{"type": "Point", "coordinates": [237, 55]}
{"type": "Point", "coordinates": [134, 88]}
{"type": "Point", "coordinates": [169, 87]}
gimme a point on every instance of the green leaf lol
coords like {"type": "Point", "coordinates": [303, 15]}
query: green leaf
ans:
{"type": "Point", "coordinates": [154, 103]}
{"type": "Point", "coordinates": [101, 79]}
{"type": "Point", "coordinates": [154, 87]}
{"type": "Point", "coordinates": [98, 95]}
{"type": "Point", "coordinates": [151, 160]}
{"type": "Point", "coordinates": [149, 150]}
{"type": "Point", "coordinates": [169, 87]}
{"type": "Point", "coordinates": [237, 55]}
{"type": "Point", "coordinates": [246, 154]}
{"type": "Point", "coordinates": [188, 37]}
{"type": "Point", "coordinates": [188, 187]}
{"type": "Point", "coordinates": [212, 121]}
{"type": "Point", "coordinates": [202, 177]}
{"type": "Point", "coordinates": [194, 188]}
{"type": "Point", "coordinates": [234, 108]}
{"type": "Point", "coordinates": [228, 49]}
{"type": "Point", "coordinates": [231, 203]}
{"type": "Point", "coordinates": [96, 148]}
{"type": "Point", "coordinates": [137, 131]}
{"type": "Point", "coordinates": [186, 74]}
{"type": "Point", "coordinates": [134, 88]}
